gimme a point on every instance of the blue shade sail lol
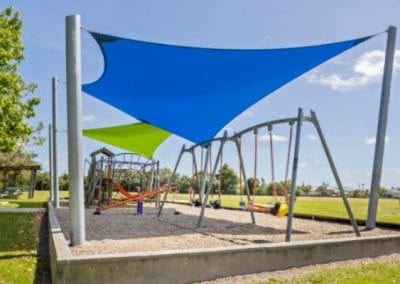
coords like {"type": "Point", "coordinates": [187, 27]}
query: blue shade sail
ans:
{"type": "Point", "coordinates": [194, 92]}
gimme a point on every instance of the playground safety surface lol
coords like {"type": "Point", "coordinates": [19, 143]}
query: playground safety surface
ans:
{"type": "Point", "coordinates": [119, 230]}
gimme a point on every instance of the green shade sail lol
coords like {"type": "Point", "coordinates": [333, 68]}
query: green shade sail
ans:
{"type": "Point", "coordinates": [140, 138]}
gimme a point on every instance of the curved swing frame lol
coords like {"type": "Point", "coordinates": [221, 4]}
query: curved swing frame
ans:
{"type": "Point", "coordinates": [236, 139]}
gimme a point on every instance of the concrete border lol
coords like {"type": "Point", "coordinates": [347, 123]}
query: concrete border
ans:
{"type": "Point", "coordinates": [192, 265]}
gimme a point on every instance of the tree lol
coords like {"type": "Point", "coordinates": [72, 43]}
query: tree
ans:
{"type": "Point", "coordinates": [382, 191]}
{"type": "Point", "coordinates": [183, 183]}
{"type": "Point", "coordinates": [306, 188]}
{"type": "Point", "coordinates": [15, 107]}
{"type": "Point", "coordinates": [323, 189]}
{"type": "Point", "coordinates": [165, 175]}
{"type": "Point", "coordinates": [18, 157]}
{"type": "Point", "coordinates": [64, 182]}
{"type": "Point", "coordinates": [42, 181]}
{"type": "Point", "coordinates": [254, 186]}
{"type": "Point", "coordinates": [228, 178]}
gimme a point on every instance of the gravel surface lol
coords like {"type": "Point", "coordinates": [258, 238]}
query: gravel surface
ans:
{"type": "Point", "coordinates": [120, 230]}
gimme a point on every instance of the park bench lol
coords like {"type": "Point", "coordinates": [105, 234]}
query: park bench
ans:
{"type": "Point", "coordinates": [14, 191]}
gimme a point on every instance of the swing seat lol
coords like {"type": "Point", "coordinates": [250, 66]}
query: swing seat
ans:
{"type": "Point", "coordinates": [215, 204]}
{"type": "Point", "coordinates": [280, 210]}
{"type": "Point", "coordinates": [196, 203]}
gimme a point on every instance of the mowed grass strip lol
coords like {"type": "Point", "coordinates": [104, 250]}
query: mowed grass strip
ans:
{"type": "Point", "coordinates": [372, 272]}
{"type": "Point", "coordinates": [17, 248]}
{"type": "Point", "coordinates": [22, 201]}
{"type": "Point", "coordinates": [388, 209]}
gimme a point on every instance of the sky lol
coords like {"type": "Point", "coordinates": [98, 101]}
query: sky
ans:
{"type": "Point", "coordinates": [344, 91]}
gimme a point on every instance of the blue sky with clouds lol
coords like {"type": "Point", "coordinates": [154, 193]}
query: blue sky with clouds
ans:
{"type": "Point", "coordinates": [344, 91]}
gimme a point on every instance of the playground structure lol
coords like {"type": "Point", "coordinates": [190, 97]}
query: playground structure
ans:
{"type": "Point", "coordinates": [108, 172]}
{"type": "Point", "coordinates": [13, 191]}
{"type": "Point", "coordinates": [205, 187]}
{"type": "Point", "coordinates": [306, 253]}
{"type": "Point", "coordinates": [209, 102]}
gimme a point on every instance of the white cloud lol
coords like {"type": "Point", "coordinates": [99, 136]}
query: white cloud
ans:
{"type": "Point", "coordinates": [274, 137]}
{"type": "Point", "coordinates": [311, 137]}
{"type": "Point", "coordinates": [88, 118]}
{"type": "Point", "coordinates": [393, 170]}
{"type": "Point", "coordinates": [266, 39]}
{"type": "Point", "coordinates": [248, 113]}
{"type": "Point", "coordinates": [372, 140]}
{"type": "Point", "coordinates": [302, 165]}
{"type": "Point", "coordinates": [367, 70]}
{"type": "Point", "coordinates": [45, 165]}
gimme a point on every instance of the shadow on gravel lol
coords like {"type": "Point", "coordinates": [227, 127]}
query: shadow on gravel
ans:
{"type": "Point", "coordinates": [122, 223]}
{"type": "Point", "coordinates": [340, 232]}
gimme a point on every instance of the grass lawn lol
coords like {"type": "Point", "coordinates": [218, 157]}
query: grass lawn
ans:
{"type": "Point", "coordinates": [17, 248]}
{"type": "Point", "coordinates": [22, 201]}
{"type": "Point", "coordinates": [375, 272]}
{"type": "Point", "coordinates": [388, 209]}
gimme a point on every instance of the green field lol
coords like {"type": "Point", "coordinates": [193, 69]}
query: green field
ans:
{"type": "Point", "coordinates": [374, 272]}
{"type": "Point", "coordinates": [22, 201]}
{"type": "Point", "coordinates": [388, 209]}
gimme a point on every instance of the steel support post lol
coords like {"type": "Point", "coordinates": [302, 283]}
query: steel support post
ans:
{"type": "Point", "coordinates": [204, 174]}
{"type": "Point", "coordinates": [75, 145]}
{"type": "Point", "coordinates": [51, 164]}
{"type": "Point", "coordinates": [204, 202]}
{"type": "Point", "coordinates": [335, 173]}
{"type": "Point", "coordinates": [381, 131]}
{"type": "Point", "coordinates": [158, 183]}
{"type": "Point", "coordinates": [194, 161]}
{"type": "Point", "coordinates": [294, 176]}
{"type": "Point", "coordinates": [56, 198]}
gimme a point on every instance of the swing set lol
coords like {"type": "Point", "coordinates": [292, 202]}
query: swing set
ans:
{"type": "Point", "coordinates": [204, 182]}
{"type": "Point", "coordinates": [280, 208]}
{"type": "Point", "coordinates": [196, 180]}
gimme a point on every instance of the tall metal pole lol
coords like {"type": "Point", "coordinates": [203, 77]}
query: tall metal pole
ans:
{"type": "Point", "coordinates": [381, 131]}
{"type": "Point", "coordinates": [294, 175]}
{"type": "Point", "coordinates": [75, 145]}
{"type": "Point", "coordinates": [210, 184]}
{"type": "Point", "coordinates": [335, 173]}
{"type": "Point", "coordinates": [51, 164]}
{"type": "Point", "coordinates": [56, 201]}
